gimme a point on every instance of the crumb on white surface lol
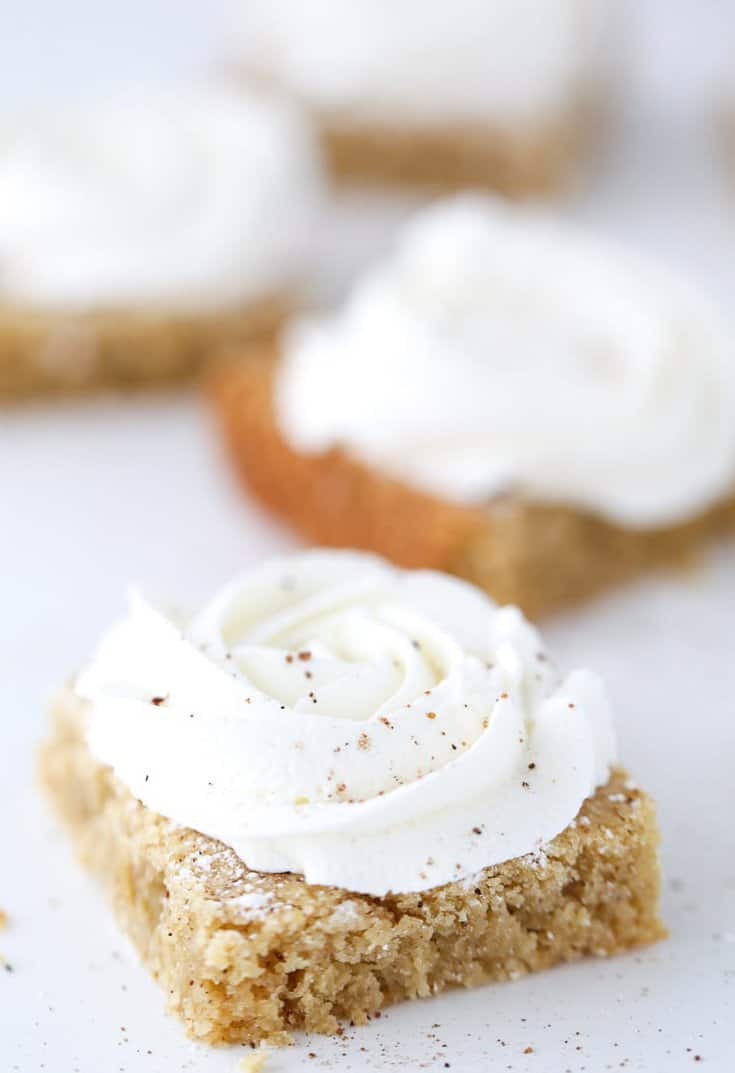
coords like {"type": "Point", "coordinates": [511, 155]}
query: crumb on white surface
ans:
{"type": "Point", "coordinates": [255, 1061]}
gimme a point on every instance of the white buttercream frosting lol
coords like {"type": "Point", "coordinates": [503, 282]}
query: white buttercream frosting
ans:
{"type": "Point", "coordinates": [190, 199]}
{"type": "Point", "coordinates": [501, 350]}
{"type": "Point", "coordinates": [407, 60]}
{"type": "Point", "coordinates": [368, 727]}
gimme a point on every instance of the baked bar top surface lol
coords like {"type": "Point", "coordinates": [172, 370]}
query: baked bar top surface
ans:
{"type": "Point", "coordinates": [245, 956]}
{"type": "Point", "coordinates": [539, 556]}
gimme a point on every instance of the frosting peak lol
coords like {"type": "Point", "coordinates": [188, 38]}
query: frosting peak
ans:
{"type": "Point", "coordinates": [501, 350]}
{"type": "Point", "coordinates": [368, 727]}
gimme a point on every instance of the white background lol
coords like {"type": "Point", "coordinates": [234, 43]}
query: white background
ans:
{"type": "Point", "coordinates": [97, 494]}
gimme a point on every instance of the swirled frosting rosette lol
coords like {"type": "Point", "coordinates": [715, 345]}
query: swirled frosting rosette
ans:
{"type": "Point", "coordinates": [368, 727]}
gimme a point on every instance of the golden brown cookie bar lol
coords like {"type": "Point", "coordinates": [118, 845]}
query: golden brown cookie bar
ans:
{"type": "Point", "coordinates": [246, 956]}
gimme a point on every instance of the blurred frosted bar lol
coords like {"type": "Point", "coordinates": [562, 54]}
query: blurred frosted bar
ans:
{"type": "Point", "coordinates": [501, 93]}
{"type": "Point", "coordinates": [142, 233]}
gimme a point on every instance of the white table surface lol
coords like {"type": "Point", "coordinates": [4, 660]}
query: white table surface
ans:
{"type": "Point", "coordinates": [95, 495]}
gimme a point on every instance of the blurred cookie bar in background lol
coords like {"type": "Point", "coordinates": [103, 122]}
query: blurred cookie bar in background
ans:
{"type": "Point", "coordinates": [139, 234]}
{"type": "Point", "coordinates": [543, 412]}
{"type": "Point", "coordinates": [498, 93]}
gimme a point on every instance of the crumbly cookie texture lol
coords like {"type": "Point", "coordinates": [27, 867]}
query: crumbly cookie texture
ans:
{"type": "Point", "coordinates": [249, 957]}
{"type": "Point", "coordinates": [538, 556]}
{"type": "Point", "coordinates": [518, 163]}
{"type": "Point", "coordinates": [57, 353]}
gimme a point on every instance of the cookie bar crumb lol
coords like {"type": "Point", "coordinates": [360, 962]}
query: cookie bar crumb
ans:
{"type": "Point", "coordinates": [254, 1062]}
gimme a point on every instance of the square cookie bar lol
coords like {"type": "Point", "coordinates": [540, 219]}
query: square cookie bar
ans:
{"type": "Point", "coordinates": [246, 956]}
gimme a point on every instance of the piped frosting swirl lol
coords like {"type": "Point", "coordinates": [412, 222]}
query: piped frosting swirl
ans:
{"type": "Point", "coordinates": [370, 728]}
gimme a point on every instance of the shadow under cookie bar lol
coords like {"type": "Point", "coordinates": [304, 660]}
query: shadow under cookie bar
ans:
{"type": "Point", "coordinates": [45, 353]}
{"type": "Point", "coordinates": [245, 956]}
{"type": "Point", "coordinates": [538, 556]}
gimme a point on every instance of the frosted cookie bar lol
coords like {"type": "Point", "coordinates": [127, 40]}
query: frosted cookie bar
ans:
{"type": "Point", "coordinates": [506, 398]}
{"type": "Point", "coordinates": [139, 235]}
{"type": "Point", "coordinates": [342, 785]}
